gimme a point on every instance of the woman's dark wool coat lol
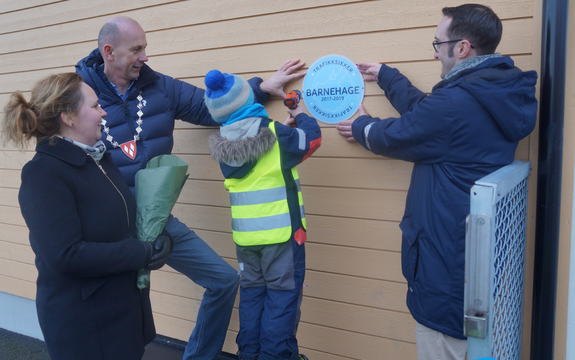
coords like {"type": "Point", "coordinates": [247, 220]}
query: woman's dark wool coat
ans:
{"type": "Point", "coordinates": [81, 222]}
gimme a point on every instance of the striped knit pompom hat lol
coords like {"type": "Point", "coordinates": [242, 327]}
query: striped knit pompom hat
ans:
{"type": "Point", "coordinates": [226, 94]}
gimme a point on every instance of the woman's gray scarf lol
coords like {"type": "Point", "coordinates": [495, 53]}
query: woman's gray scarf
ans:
{"type": "Point", "coordinates": [96, 151]}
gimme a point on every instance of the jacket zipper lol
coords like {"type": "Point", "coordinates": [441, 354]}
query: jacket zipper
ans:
{"type": "Point", "coordinates": [118, 190]}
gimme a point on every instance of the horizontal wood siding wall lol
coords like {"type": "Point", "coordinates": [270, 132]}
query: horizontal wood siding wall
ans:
{"type": "Point", "coordinates": [354, 304]}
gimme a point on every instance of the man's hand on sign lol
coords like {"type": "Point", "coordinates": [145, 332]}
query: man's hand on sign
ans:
{"type": "Point", "coordinates": [370, 71]}
{"type": "Point", "coordinates": [274, 85]}
{"type": "Point", "coordinates": [344, 127]}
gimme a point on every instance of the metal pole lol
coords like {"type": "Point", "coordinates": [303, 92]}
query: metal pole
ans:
{"type": "Point", "coordinates": [550, 159]}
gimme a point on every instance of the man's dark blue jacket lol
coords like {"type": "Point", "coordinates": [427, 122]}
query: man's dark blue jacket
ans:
{"type": "Point", "coordinates": [166, 99]}
{"type": "Point", "coordinates": [466, 128]}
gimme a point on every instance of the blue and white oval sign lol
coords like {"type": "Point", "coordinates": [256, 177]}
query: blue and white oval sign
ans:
{"type": "Point", "coordinates": [333, 89]}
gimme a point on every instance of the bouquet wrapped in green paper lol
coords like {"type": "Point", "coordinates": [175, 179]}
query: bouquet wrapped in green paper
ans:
{"type": "Point", "coordinates": [157, 189]}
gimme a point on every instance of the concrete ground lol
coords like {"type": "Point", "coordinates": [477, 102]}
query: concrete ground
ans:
{"type": "Point", "coordinates": [19, 347]}
{"type": "Point", "coordinates": [14, 346]}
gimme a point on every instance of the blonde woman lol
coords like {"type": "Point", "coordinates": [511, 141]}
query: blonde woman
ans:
{"type": "Point", "coordinates": [87, 256]}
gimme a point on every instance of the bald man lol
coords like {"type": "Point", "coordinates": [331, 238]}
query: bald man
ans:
{"type": "Point", "coordinates": [142, 105]}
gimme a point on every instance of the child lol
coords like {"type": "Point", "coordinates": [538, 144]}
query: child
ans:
{"type": "Point", "coordinates": [257, 157]}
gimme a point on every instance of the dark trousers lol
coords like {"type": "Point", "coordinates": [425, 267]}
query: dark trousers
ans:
{"type": "Point", "coordinates": [271, 281]}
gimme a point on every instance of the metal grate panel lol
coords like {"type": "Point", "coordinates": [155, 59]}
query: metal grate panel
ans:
{"type": "Point", "coordinates": [495, 255]}
{"type": "Point", "coordinates": [508, 269]}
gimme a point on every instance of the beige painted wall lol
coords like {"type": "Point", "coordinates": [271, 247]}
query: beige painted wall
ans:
{"type": "Point", "coordinates": [354, 304]}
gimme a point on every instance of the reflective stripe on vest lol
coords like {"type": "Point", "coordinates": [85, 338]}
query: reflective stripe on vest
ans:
{"type": "Point", "coordinates": [259, 205]}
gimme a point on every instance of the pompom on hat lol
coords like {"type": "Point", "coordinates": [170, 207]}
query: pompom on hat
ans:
{"type": "Point", "coordinates": [226, 94]}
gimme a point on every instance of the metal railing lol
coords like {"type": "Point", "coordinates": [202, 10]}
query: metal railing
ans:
{"type": "Point", "coordinates": [494, 263]}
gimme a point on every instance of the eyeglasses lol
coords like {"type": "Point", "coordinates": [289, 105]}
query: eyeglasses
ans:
{"type": "Point", "coordinates": [436, 43]}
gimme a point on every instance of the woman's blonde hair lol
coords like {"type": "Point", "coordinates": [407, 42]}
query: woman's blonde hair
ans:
{"type": "Point", "coordinates": [40, 117]}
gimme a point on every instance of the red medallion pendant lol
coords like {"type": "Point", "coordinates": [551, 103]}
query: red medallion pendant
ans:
{"type": "Point", "coordinates": [129, 149]}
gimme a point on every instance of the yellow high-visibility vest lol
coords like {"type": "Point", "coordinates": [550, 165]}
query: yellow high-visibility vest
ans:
{"type": "Point", "coordinates": [260, 211]}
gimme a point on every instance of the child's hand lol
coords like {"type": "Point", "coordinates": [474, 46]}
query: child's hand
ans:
{"type": "Point", "coordinates": [290, 121]}
{"type": "Point", "coordinates": [298, 110]}
{"type": "Point", "coordinates": [295, 112]}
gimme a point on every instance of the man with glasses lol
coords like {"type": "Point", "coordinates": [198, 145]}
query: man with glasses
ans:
{"type": "Point", "coordinates": [468, 127]}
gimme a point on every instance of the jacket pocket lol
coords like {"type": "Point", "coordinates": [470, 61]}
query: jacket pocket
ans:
{"type": "Point", "coordinates": [91, 287]}
{"type": "Point", "coordinates": [409, 249]}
